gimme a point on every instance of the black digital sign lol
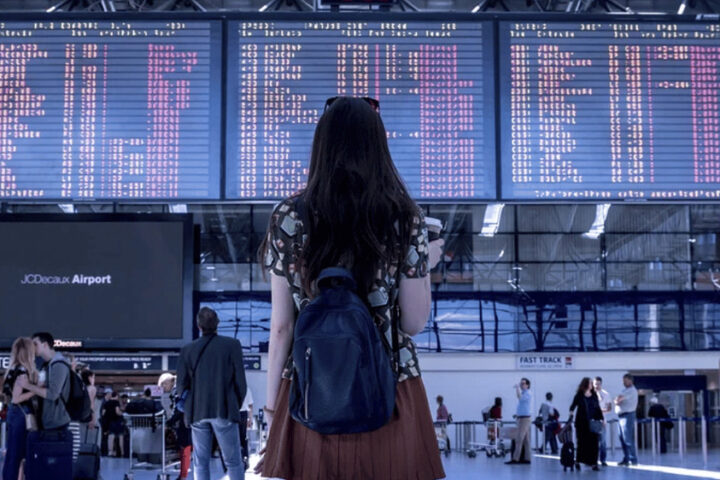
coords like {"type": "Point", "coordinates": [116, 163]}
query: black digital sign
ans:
{"type": "Point", "coordinates": [433, 78]}
{"type": "Point", "coordinates": [100, 109]}
{"type": "Point", "coordinates": [120, 281]}
{"type": "Point", "coordinates": [609, 110]}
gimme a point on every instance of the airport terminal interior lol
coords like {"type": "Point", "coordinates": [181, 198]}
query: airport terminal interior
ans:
{"type": "Point", "coordinates": [567, 150]}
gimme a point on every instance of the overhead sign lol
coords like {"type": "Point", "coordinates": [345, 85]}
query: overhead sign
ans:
{"type": "Point", "coordinates": [545, 362]}
{"type": "Point", "coordinates": [251, 362]}
{"type": "Point", "coordinates": [104, 363]}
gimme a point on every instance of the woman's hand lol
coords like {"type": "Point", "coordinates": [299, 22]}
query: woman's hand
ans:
{"type": "Point", "coordinates": [435, 252]}
{"type": "Point", "coordinates": [261, 462]}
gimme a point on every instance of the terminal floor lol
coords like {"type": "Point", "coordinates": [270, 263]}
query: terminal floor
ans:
{"type": "Point", "coordinates": [459, 466]}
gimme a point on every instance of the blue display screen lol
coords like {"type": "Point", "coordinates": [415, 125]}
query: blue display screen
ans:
{"type": "Point", "coordinates": [110, 109]}
{"type": "Point", "coordinates": [609, 110]}
{"type": "Point", "coordinates": [433, 79]}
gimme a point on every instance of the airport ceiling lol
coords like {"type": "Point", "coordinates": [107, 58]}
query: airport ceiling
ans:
{"type": "Point", "coordinates": [689, 7]}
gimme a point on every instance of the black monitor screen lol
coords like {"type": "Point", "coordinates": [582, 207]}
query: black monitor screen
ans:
{"type": "Point", "coordinates": [608, 110]}
{"type": "Point", "coordinates": [433, 79]}
{"type": "Point", "coordinates": [110, 109]}
{"type": "Point", "coordinates": [109, 284]}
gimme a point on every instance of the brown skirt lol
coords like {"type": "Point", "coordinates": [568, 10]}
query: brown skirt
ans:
{"type": "Point", "coordinates": [406, 448]}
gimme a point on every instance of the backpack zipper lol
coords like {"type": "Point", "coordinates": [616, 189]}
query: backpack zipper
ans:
{"type": "Point", "coordinates": [308, 354]}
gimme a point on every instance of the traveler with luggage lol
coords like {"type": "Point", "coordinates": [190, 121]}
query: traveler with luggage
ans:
{"type": "Point", "coordinates": [349, 255]}
{"type": "Point", "coordinates": [549, 416]}
{"type": "Point", "coordinates": [211, 385]}
{"type": "Point", "coordinates": [588, 423]}
{"type": "Point", "coordinates": [50, 450]}
{"type": "Point", "coordinates": [21, 413]}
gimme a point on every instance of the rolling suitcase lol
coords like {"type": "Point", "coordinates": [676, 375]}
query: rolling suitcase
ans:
{"type": "Point", "coordinates": [49, 455]}
{"type": "Point", "coordinates": [567, 456]}
{"type": "Point", "coordinates": [87, 465]}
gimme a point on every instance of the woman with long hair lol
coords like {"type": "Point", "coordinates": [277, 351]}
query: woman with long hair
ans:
{"type": "Point", "coordinates": [587, 410]}
{"type": "Point", "coordinates": [357, 214]}
{"type": "Point", "coordinates": [22, 364]}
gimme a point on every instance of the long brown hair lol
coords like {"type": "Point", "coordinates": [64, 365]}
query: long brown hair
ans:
{"type": "Point", "coordinates": [358, 210]}
{"type": "Point", "coordinates": [584, 384]}
{"type": "Point", "coordinates": [23, 354]}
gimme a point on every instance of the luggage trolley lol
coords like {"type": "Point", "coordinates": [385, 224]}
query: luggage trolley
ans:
{"type": "Point", "coordinates": [495, 445]}
{"type": "Point", "coordinates": [147, 432]}
{"type": "Point", "coordinates": [442, 436]}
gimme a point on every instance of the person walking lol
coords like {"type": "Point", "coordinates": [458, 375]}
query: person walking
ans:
{"type": "Point", "coordinates": [625, 406]}
{"type": "Point", "coordinates": [522, 417]}
{"type": "Point", "coordinates": [605, 401]}
{"type": "Point", "coordinates": [588, 423]}
{"type": "Point", "coordinates": [355, 213]}
{"type": "Point", "coordinates": [166, 381]}
{"type": "Point", "coordinates": [22, 366]}
{"type": "Point", "coordinates": [549, 416]}
{"type": "Point", "coordinates": [442, 415]}
{"type": "Point", "coordinates": [211, 378]}
{"type": "Point", "coordinates": [112, 416]}
{"type": "Point", "coordinates": [659, 413]}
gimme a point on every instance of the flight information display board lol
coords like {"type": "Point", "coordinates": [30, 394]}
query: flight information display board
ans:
{"type": "Point", "coordinates": [610, 110]}
{"type": "Point", "coordinates": [110, 109]}
{"type": "Point", "coordinates": [434, 81]}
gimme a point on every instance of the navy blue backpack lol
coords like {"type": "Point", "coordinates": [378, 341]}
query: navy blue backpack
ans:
{"type": "Point", "coordinates": [343, 380]}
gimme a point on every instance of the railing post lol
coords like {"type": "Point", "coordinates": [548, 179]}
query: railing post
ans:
{"type": "Point", "coordinates": [653, 432]}
{"type": "Point", "coordinates": [672, 440]}
{"type": "Point", "coordinates": [704, 441]}
{"type": "Point", "coordinates": [681, 438]}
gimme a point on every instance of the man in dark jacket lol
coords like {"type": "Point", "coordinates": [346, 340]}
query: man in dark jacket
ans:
{"type": "Point", "coordinates": [660, 414]}
{"type": "Point", "coordinates": [211, 371]}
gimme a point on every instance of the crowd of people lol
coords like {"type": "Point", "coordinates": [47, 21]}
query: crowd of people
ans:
{"type": "Point", "coordinates": [590, 410]}
{"type": "Point", "coordinates": [37, 401]}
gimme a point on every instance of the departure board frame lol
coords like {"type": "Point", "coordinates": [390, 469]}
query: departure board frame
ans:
{"type": "Point", "coordinates": [187, 280]}
{"type": "Point", "coordinates": [490, 107]}
{"type": "Point", "coordinates": [223, 118]}
{"type": "Point", "coordinates": [503, 104]}
{"type": "Point", "coordinates": [215, 106]}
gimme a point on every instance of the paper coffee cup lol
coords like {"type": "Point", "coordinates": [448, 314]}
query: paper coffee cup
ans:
{"type": "Point", "coordinates": [434, 226]}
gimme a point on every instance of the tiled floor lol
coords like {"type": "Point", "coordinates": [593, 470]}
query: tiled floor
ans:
{"type": "Point", "coordinates": [459, 466]}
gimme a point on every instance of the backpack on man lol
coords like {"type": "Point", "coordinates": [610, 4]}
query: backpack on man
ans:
{"type": "Point", "coordinates": [78, 403]}
{"type": "Point", "coordinates": [50, 452]}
